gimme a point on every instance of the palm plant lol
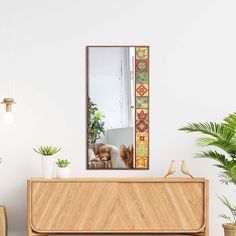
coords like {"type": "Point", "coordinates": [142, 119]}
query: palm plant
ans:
{"type": "Point", "coordinates": [221, 138]}
{"type": "Point", "coordinates": [231, 208]}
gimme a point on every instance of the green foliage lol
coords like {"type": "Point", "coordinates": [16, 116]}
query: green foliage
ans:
{"type": "Point", "coordinates": [231, 208]}
{"type": "Point", "coordinates": [221, 138]}
{"type": "Point", "coordinates": [47, 150]}
{"type": "Point", "coordinates": [95, 123]}
{"type": "Point", "coordinates": [62, 163]}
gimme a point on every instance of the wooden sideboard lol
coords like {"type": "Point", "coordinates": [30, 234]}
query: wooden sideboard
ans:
{"type": "Point", "coordinates": [3, 221]}
{"type": "Point", "coordinates": [119, 205]}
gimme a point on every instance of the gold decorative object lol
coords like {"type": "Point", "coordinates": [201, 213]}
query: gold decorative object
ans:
{"type": "Point", "coordinates": [3, 221]}
{"type": "Point", "coordinates": [184, 169]}
{"type": "Point", "coordinates": [172, 169]}
{"type": "Point", "coordinates": [8, 102]}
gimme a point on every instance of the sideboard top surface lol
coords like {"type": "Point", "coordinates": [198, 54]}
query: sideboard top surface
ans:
{"type": "Point", "coordinates": [122, 180]}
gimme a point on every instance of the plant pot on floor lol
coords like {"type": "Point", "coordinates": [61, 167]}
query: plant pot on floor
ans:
{"type": "Point", "coordinates": [230, 229]}
{"type": "Point", "coordinates": [63, 173]}
{"type": "Point", "coordinates": [48, 164]}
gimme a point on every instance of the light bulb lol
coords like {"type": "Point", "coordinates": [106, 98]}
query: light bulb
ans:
{"type": "Point", "coordinates": [8, 118]}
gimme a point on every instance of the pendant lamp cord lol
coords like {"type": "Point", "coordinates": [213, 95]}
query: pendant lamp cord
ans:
{"type": "Point", "coordinates": [8, 50]}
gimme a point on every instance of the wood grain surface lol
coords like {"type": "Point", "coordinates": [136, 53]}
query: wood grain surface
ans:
{"type": "Point", "coordinates": [3, 221]}
{"type": "Point", "coordinates": [128, 205]}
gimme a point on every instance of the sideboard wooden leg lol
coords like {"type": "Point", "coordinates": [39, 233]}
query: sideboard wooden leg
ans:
{"type": "Point", "coordinates": [205, 233]}
{"type": "Point", "coordinates": [31, 233]}
{"type": "Point", "coordinates": [3, 220]}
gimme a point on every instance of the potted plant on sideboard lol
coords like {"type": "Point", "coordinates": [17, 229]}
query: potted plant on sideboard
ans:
{"type": "Point", "coordinates": [221, 137]}
{"type": "Point", "coordinates": [63, 169]}
{"type": "Point", "coordinates": [48, 159]}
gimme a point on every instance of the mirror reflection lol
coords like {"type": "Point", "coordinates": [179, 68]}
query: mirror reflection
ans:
{"type": "Point", "coordinates": [111, 98]}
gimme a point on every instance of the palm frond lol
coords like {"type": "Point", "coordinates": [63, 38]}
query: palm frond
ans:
{"type": "Point", "coordinates": [231, 121]}
{"type": "Point", "coordinates": [230, 207]}
{"type": "Point", "coordinates": [226, 217]}
{"type": "Point", "coordinates": [213, 155]}
{"type": "Point", "coordinates": [205, 141]}
{"type": "Point", "coordinates": [228, 175]}
{"type": "Point", "coordinates": [227, 146]}
{"type": "Point", "coordinates": [226, 178]}
{"type": "Point", "coordinates": [219, 131]}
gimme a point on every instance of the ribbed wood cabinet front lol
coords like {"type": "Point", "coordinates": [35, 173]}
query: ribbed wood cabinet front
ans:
{"type": "Point", "coordinates": [118, 206]}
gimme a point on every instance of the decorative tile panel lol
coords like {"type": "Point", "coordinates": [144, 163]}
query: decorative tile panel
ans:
{"type": "Point", "coordinates": [142, 107]}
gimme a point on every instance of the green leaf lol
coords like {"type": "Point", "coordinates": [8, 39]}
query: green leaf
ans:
{"type": "Point", "coordinates": [230, 120]}
{"type": "Point", "coordinates": [230, 207]}
{"type": "Point", "coordinates": [62, 163]}
{"type": "Point", "coordinates": [47, 150]}
{"type": "Point", "coordinates": [219, 131]}
{"type": "Point", "coordinates": [228, 166]}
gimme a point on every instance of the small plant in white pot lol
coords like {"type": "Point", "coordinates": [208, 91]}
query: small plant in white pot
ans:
{"type": "Point", "coordinates": [48, 159]}
{"type": "Point", "coordinates": [63, 169]}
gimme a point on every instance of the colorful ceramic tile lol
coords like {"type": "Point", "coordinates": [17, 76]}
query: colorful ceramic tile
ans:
{"type": "Point", "coordinates": [141, 150]}
{"type": "Point", "coordinates": [141, 89]}
{"type": "Point", "coordinates": [141, 162]}
{"type": "Point", "coordinates": [141, 125]}
{"type": "Point", "coordinates": [142, 77]}
{"type": "Point", "coordinates": [141, 102]}
{"type": "Point", "coordinates": [142, 137]}
{"type": "Point", "coordinates": [142, 107]}
{"type": "Point", "coordinates": [141, 53]}
{"type": "Point", "coordinates": [142, 114]}
{"type": "Point", "coordinates": [142, 65]}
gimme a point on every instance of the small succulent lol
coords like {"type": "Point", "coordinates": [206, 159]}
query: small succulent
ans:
{"type": "Point", "coordinates": [62, 163]}
{"type": "Point", "coordinates": [47, 150]}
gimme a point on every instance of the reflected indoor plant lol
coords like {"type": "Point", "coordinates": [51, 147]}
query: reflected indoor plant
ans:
{"type": "Point", "coordinates": [220, 139]}
{"type": "Point", "coordinates": [48, 159]}
{"type": "Point", "coordinates": [95, 123]}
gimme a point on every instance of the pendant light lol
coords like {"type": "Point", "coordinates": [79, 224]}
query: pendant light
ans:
{"type": "Point", "coordinates": [8, 116]}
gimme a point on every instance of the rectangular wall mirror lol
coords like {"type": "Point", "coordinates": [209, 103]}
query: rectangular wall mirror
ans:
{"type": "Point", "coordinates": [117, 107]}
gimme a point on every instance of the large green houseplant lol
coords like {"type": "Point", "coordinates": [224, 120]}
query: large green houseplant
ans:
{"type": "Point", "coordinates": [220, 138]}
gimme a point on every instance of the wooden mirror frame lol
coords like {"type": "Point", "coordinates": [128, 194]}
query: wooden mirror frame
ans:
{"type": "Point", "coordinates": [142, 76]}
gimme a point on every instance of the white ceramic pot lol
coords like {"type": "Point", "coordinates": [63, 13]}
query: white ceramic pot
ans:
{"type": "Point", "coordinates": [63, 173]}
{"type": "Point", "coordinates": [48, 163]}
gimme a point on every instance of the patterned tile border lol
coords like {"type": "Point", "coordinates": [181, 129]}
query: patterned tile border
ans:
{"type": "Point", "coordinates": [142, 107]}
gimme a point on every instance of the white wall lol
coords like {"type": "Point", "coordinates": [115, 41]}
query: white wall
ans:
{"type": "Point", "coordinates": [192, 79]}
